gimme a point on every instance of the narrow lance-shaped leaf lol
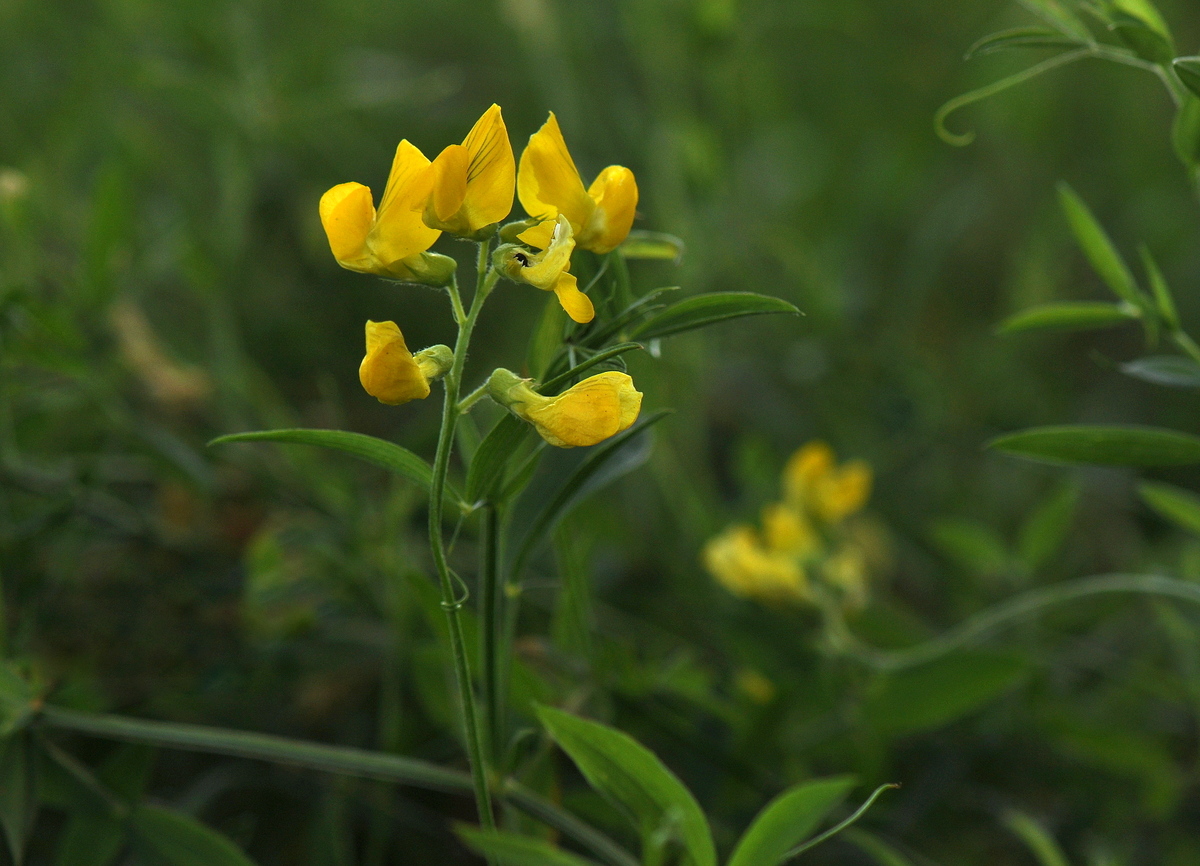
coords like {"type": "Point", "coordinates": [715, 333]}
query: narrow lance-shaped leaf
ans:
{"type": "Point", "coordinates": [511, 849]}
{"type": "Point", "coordinates": [491, 458]}
{"type": "Point", "coordinates": [1058, 15]}
{"type": "Point", "coordinates": [18, 797]}
{"type": "Point", "coordinates": [1039, 842]}
{"type": "Point", "coordinates": [1020, 37]}
{"type": "Point", "coordinates": [178, 840]}
{"type": "Point", "coordinates": [378, 451]}
{"type": "Point", "coordinates": [1174, 371]}
{"type": "Point", "coordinates": [703, 310]}
{"type": "Point", "coordinates": [630, 776]}
{"type": "Point", "coordinates": [1181, 507]}
{"type": "Point", "coordinates": [1159, 287]}
{"type": "Point", "coordinates": [1069, 316]}
{"type": "Point", "coordinates": [1098, 247]}
{"type": "Point", "coordinates": [788, 820]}
{"type": "Point", "coordinates": [1128, 445]}
{"type": "Point", "coordinates": [652, 245]}
{"type": "Point", "coordinates": [1188, 70]}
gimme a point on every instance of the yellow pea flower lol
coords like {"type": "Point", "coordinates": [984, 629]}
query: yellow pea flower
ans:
{"type": "Point", "coordinates": [585, 414]}
{"type": "Point", "coordinates": [741, 563]}
{"type": "Point", "coordinates": [788, 531]}
{"type": "Point", "coordinates": [548, 184]}
{"type": "Point", "coordinates": [392, 374]}
{"type": "Point", "coordinates": [392, 241]}
{"type": "Point", "coordinates": [813, 482]}
{"type": "Point", "coordinates": [547, 270]}
{"type": "Point", "coordinates": [471, 185]}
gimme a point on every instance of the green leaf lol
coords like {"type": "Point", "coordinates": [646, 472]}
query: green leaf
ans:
{"type": "Point", "coordinates": [1039, 842]}
{"type": "Point", "coordinates": [1098, 247]}
{"type": "Point", "coordinates": [1145, 12]}
{"type": "Point", "coordinates": [1044, 530]}
{"type": "Point", "coordinates": [90, 840]}
{"type": "Point", "coordinates": [16, 699]}
{"type": "Point", "coordinates": [652, 245]}
{"type": "Point", "coordinates": [703, 310]}
{"type": "Point", "coordinates": [1185, 134]}
{"type": "Point", "coordinates": [1095, 445]}
{"type": "Point", "coordinates": [1059, 16]}
{"type": "Point", "coordinates": [1020, 37]}
{"type": "Point", "coordinates": [550, 385]}
{"type": "Point", "coordinates": [602, 464]}
{"type": "Point", "coordinates": [1174, 371]}
{"type": "Point", "coordinates": [378, 451]}
{"type": "Point", "coordinates": [1181, 507]}
{"type": "Point", "coordinates": [18, 793]}
{"type": "Point", "coordinates": [1188, 70]}
{"type": "Point", "coordinates": [547, 338]}
{"type": "Point", "coordinates": [486, 473]}
{"type": "Point", "coordinates": [1158, 284]}
{"type": "Point", "coordinates": [510, 849]}
{"type": "Point", "coordinates": [937, 693]}
{"type": "Point", "coordinates": [630, 776]}
{"type": "Point", "coordinates": [973, 546]}
{"type": "Point", "coordinates": [637, 310]}
{"type": "Point", "coordinates": [788, 820]}
{"type": "Point", "coordinates": [1068, 316]}
{"type": "Point", "coordinates": [175, 839]}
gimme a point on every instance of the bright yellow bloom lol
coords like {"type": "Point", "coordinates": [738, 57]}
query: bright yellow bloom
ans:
{"type": "Point", "coordinates": [470, 185]}
{"type": "Point", "coordinates": [586, 413]}
{"type": "Point", "coordinates": [391, 374]}
{"type": "Point", "coordinates": [813, 482]}
{"type": "Point", "coordinates": [547, 270]}
{"type": "Point", "coordinates": [741, 563]}
{"type": "Point", "coordinates": [392, 241]}
{"type": "Point", "coordinates": [548, 184]}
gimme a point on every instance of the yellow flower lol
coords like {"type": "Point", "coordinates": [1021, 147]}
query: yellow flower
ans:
{"type": "Point", "coordinates": [391, 374]}
{"type": "Point", "coordinates": [548, 184]}
{"type": "Point", "coordinates": [392, 241]}
{"type": "Point", "coordinates": [788, 531]}
{"type": "Point", "coordinates": [470, 185]}
{"type": "Point", "coordinates": [814, 483]}
{"type": "Point", "coordinates": [585, 414]}
{"type": "Point", "coordinates": [741, 563]}
{"type": "Point", "coordinates": [547, 270]}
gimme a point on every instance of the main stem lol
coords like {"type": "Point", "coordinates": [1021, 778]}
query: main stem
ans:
{"type": "Point", "coordinates": [451, 601]}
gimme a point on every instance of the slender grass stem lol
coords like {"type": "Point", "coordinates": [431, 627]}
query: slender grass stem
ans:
{"type": "Point", "coordinates": [330, 759]}
{"type": "Point", "coordinates": [452, 600]}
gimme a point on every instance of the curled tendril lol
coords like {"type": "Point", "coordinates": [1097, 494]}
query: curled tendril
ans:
{"type": "Point", "coordinates": [461, 598]}
{"type": "Point", "coordinates": [963, 139]}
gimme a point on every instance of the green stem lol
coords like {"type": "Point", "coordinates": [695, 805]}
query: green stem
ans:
{"type": "Point", "coordinates": [465, 404]}
{"type": "Point", "coordinates": [451, 600]}
{"type": "Point", "coordinates": [1017, 609]}
{"type": "Point", "coordinates": [489, 614]}
{"type": "Point", "coordinates": [331, 759]}
{"type": "Point", "coordinates": [1187, 344]}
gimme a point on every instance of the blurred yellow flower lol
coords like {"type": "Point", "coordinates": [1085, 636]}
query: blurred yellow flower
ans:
{"type": "Point", "coordinates": [392, 374]}
{"type": "Point", "coordinates": [470, 186]}
{"type": "Point", "coordinates": [547, 270]}
{"type": "Point", "coordinates": [802, 549]}
{"type": "Point", "coordinates": [813, 482]}
{"type": "Point", "coordinates": [392, 241]}
{"type": "Point", "coordinates": [548, 184]}
{"type": "Point", "coordinates": [585, 414]}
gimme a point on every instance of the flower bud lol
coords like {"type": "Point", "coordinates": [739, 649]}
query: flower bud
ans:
{"type": "Point", "coordinates": [391, 374]}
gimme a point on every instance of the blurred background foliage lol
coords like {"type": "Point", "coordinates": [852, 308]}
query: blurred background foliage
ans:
{"type": "Point", "coordinates": [164, 279]}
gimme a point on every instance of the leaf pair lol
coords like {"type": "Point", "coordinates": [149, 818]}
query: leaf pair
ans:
{"type": "Point", "coordinates": [665, 813]}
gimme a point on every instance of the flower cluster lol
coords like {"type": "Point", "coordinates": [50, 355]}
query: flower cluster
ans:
{"type": "Point", "coordinates": [806, 546]}
{"type": "Point", "coordinates": [466, 191]}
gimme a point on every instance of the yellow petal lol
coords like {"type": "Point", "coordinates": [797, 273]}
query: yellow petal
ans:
{"type": "Point", "coordinates": [399, 232]}
{"type": "Point", "coordinates": [449, 184]}
{"type": "Point", "coordinates": [740, 563]}
{"type": "Point", "coordinates": [539, 236]}
{"type": "Point", "coordinates": [491, 172]}
{"type": "Point", "coordinates": [788, 530]}
{"type": "Point", "coordinates": [544, 269]}
{"type": "Point", "coordinates": [548, 182]}
{"type": "Point", "coordinates": [576, 303]}
{"type": "Point", "coordinates": [347, 213]}
{"type": "Point", "coordinates": [586, 413]}
{"type": "Point", "coordinates": [615, 193]}
{"type": "Point", "coordinates": [388, 372]}
{"type": "Point", "coordinates": [843, 492]}
{"type": "Point", "coordinates": [804, 470]}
